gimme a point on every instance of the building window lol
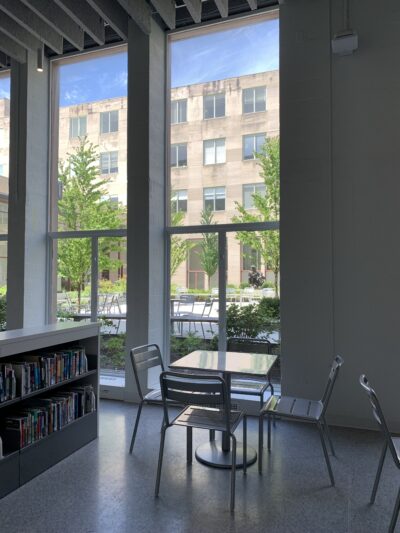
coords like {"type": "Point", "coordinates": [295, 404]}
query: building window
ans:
{"type": "Point", "coordinates": [178, 111]}
{"type": "Point", "coordinates": [77, 127]}
{"type": "Point", "coordinates": [249, 190]}
{"type": "Point", "coordinates": [214, 105]}
{"type": "Point", "coordinates": [179, 155]}
{"type": "Point", "coordinates": [1, 169]}
{"type": "Point", "coordinates": [252, 145]}
{"type": "Point", "coordinates": [250, 257]}
{"type": "Point", "coordinates": [108, 162]}
{"type": "Point", "coordinates": [179, 201]}
{"type": "Point", "coordinates": [214, 151]}
{"type": "Point", "coordinates": [214, 198]}
{"type": "Point", "coordinates": [109, 121]}
{"type": "Point", "coordinates": [254, 99]}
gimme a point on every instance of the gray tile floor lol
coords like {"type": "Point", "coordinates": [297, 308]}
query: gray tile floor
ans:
{"type": "Point", "coordinates": [101, 488]}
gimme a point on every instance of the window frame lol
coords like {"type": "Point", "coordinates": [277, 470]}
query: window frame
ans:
{"type": "Point", "coordinates": [77, 118]}
{"type": "Point", "coordinates": [111, 169]}
{"type": "Point", "coordinates": [175, 201]}
{"type": "Point", "coordinates": [254, 110]}
{"type": "Point", "coordinates": [214, 96]}
{"type": "Point", "coordinates": [253, 185]}
{"type": "Point", "coordinates": [177, 102]}
{"type": "Point", "coordinates": [214, 199]}
{"type": "Point", "coordinates": [254, 136]}
{"type": "Point", "coordinates": [102, 114]}
{"type": "Point", "coordinates": [175, 147]}
{"type": "Point", "coordinates": [215, 162]}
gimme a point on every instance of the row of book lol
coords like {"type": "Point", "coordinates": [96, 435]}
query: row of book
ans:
{"type": "Point", "coordinates": [35, 372]}
{"type": "Point", "coordinates": [40, 417]}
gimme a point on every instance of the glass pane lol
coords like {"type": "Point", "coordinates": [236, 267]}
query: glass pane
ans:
{"type": "Point", "coordinates": [248, 191]}
{"type": "Point", "coordinates": [4, 148]}
{"type": "Point", "coordinates": [211, 86]}
{"type": "Point", "coordinates": [220, 150]}
{"type": "Point", "coordinates": [194, 293]}
{"type": "Point", "coordinates": [174, 155]}
{"type": "Point", "coordinates": [85, 166]}
{"type": "Point", "coordinates": [208, 103]}
{"type": "Point", "coordinates": [182, 155]}
{"type": "Point", "coordinates": [209, 152]}
{"type": "Point", "coordinates": [174, 112]}
{"type": "Point", "coordinates": [182, 111]}
{"type": "Point", "coordinates": [220, 105]}
{"type": "Point", "coordinates": [260, 93]}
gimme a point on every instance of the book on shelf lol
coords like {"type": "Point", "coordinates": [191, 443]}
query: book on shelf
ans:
{"type": "Point", "coordinates": [39, 417]}
{"type": "Point", "coordinates": [38, 371]}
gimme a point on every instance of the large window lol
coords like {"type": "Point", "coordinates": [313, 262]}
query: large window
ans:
{"type": "Point", "coordinates": [77, 127]}
{"type": "Point", "coordinates": [109, 163]}
{"type": "Point", "coordinates": [89, 191]}
{"type": "Point", "coordinates": [4, 187]}
{"type": "Point", "coordinates": [252, 145]}
{"type": "Point", "coordinates": [214, 198]}
{"type": "Point", "coordinates": [214, 151]}
{"type": "Point", "coordinates": [254, 99]}
{"type": "Point", "coordinates": [178, 111]}
{"type": "Point", "coordinates": [109, 121]}
{"type": "Point", "coordinates": [179, 155]}
{"type": "Point", "coordinates": [214, 105]}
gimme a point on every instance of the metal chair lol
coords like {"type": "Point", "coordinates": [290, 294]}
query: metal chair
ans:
{"type": "Point", "coordinates": [250, 386]}
{"type": "Point", "coordinates": [302, 409]}
{"type": "Point", "coordinates": [208, 407]}
{"type": "Point", "coordinates": [145, 359]}
{"type": "Point", "coordinates": [393, 443]}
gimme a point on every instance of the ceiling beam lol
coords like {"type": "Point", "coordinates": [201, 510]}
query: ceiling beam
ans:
{"type": "Point", "coordinates": [18, 33]}
{"type": "Point", "coordinates": [112, 12]}
{"type": "Point", "coordinates": [252, 4]}
{"type": "Point", "coordinates": [9, 47]}
{"type": "Point", "coordinates": [86, 17]}
{"type": "Point", "coordinates": [222, 6]}
{"type": "Point", "coordinates": [3, 60]}
{"type": "Point", "coordinates": [194, 8]}
{"type": "Point", "coordinates": [34, 24]}
{"type": "Point", "coordinates": [140, 12]}
{"type": "Point", "coordinates": [166, 10]}
{"type": "Point", "coordinates": [55, 17]}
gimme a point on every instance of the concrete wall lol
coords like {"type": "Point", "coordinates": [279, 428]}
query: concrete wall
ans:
{"type": "Point", "coordinates": [339, 217]}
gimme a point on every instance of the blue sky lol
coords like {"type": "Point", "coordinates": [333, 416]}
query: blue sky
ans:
{"type": "Point", "coordinates": [94, 79]}
{"type": "Point", "coordinates": [220, 54]}
{"type": "Point", "coordinates": [5, 86]}
{"type": "Point", "coordinates": [248, 49]}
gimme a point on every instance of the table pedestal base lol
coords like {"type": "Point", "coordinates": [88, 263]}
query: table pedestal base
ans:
{"type": "Point", "coordinates": [212, 454]}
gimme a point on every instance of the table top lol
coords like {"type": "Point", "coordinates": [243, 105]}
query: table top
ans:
{"type": "Point", "coordinates": [251, 364]}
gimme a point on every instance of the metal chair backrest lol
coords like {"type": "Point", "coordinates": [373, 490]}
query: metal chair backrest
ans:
{"type": "Point", "coordinates": [378, 415]}
{"type": "Point", "coordinates": [247, 344]}
{"type": "Point", "coordinates": [333, 374]}
{"type": "Point", "coordinates": [144, 359]}
{"type": "Point", "coordinates": [195, 389]}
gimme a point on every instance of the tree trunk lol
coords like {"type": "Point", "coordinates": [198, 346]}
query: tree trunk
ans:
{"type": "Point", "coordinates": [276, 283]}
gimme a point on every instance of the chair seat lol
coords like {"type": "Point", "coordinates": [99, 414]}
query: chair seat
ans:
{"type": "Point", "coordinates": [291, 407]}
{"type": "Point", "coordinates": [206, 418]}
{"type": "Point", "coordinates": [248, 386]}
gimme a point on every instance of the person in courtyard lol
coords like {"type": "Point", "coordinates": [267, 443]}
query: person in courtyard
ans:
{"type": "Point", "coordinates": [256, 279]}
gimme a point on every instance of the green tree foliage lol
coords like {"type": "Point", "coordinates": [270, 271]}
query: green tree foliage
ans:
{"type": "Point", "coordinates": [179, 247]}
{"type": "Point", "coordinates": [208, 247]}
{"type": "Point", "coordinates": [85, 205]}
{"type": "Point", "coordinates": [267, 243]}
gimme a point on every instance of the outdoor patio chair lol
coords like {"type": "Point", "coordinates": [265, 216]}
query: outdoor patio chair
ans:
{"type": "Point", "coordinates": [147, 364]}
{"type": "Point", "coordinates": [303, 410]}
{"type": "Point", "coordinates": [208, 407]}
{"type": "Point", "coordinates": [393, 443]}
{"type": "Point", "coordinates": [245, 385]}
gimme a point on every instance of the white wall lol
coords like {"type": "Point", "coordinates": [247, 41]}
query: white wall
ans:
{"type": "Point", "coordinates": [340, 120]}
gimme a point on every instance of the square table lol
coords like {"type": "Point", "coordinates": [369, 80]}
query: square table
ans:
{"type": "Point", "coordinates": [226, 363]}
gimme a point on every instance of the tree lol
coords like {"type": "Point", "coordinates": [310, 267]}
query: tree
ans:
{"type": "Point", "coordinates": [267, 243]}
{"type": "Point", "coordinates": [179, 247]}
{"type": "Point", "coordinates": [208, 247]}
{"type": "Point", "coordinates": [85, 205]}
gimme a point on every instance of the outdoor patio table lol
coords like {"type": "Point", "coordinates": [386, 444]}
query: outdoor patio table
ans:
{"type": "Point", "coordinates": [226, 363]}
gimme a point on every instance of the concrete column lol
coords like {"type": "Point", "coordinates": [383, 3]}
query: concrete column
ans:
{"type": "Point", "coordinates": [146, 190]}
{"type": "Point", "coordinates": [27, 220]}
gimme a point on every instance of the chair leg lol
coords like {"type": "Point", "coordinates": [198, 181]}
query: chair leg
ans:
{"type": "Point", "coordinates": [212, 435]}
{"type": "Point", "coordinates": [260, 442]}
{"type": "Point", "coordinates": [328, 436]}
{"type": "Point", "coordinates": [328, 463]}
{"type": "Point", "coordinates": [269, 432]}
{"type": "Point", "coordinates": [244, 444]}
{"type": "Point", "coordinates": [136, 427]}
{"type": "Point", "coordinates": [395, 514]}
{"type": "Point", "coordinates": [378, 473]}
{"type": "Point", "coordinates": [160, 459]}
{"type": "Point", "coordinates": [189, 444]}
{"type": "Point", "coordinates": [233, 473]}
